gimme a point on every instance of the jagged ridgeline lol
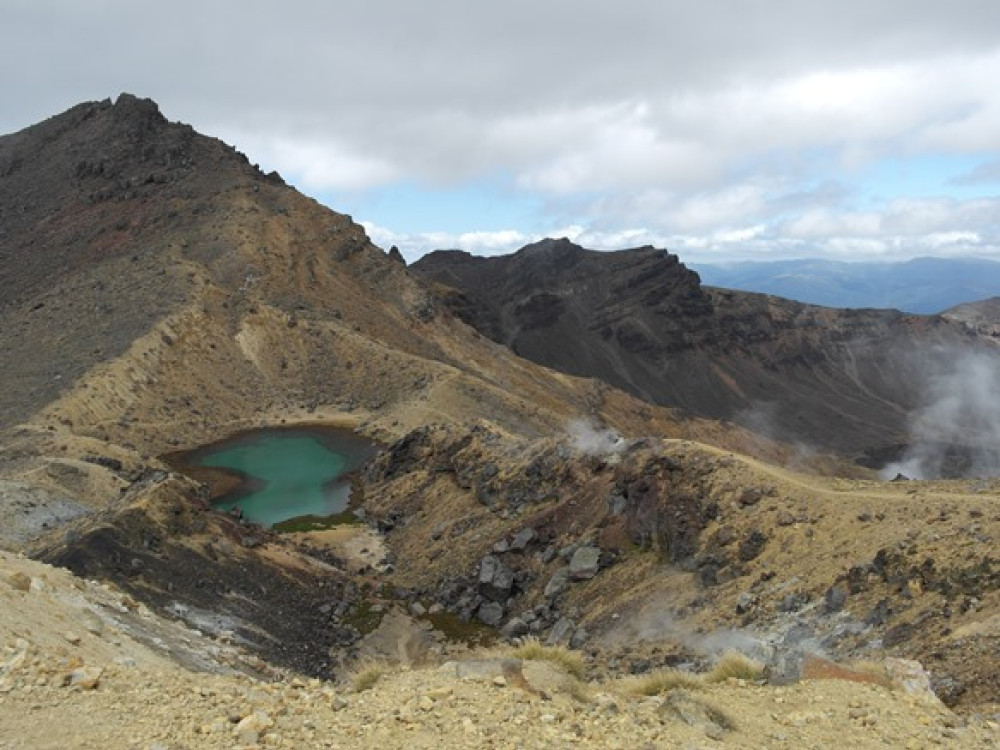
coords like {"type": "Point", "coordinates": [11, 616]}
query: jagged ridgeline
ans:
{"type": "Point", "coordinates": [847, 381]}
{"type": "Point", "coordinates": [589, 448]}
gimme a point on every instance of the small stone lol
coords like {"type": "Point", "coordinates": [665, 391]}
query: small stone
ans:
{"type": "Point", "coordinates": [751, 546]}
{"type": "Point", "coordinates": [785, 518]}
{"type": "Point", "coordinates": [85, 678]}
{"type": "Point", "coordinates": [338, 703]}
{"type": "Point", "coordinates": [500, 681]}
{"type": "Point", "coordinates": [547, 555]}
{"type": "Point", "coordinates": [561, 633]}
{"type": "Point", "coordinates": [522, 539]}
{"type": "Point", "coordinates": [515, 628]}
{"type": "Point", "coordinates": [72, 637]}
{"type": "Point", "coordinates": [256, 723]}
{"type": "Point", "coordinates": [715, 732]}
{"type": "Point", "coordinates": [426, 703]}
{"type": "Point", "coordinates": [836, 597]}
{"type": "Point", "coordinates": [745, 602]}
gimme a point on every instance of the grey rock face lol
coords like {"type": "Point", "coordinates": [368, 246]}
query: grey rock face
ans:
{"type": "Point", "coordinates": [490, 614]}
{"type": "Point", "coordinates": [495, 579]}
{"type": "Point", "coordinates": [562, 632]}
{"type": "Point", "coordinates": [558, 583]}
{"type": "Point", "coordinates": [585, 563]}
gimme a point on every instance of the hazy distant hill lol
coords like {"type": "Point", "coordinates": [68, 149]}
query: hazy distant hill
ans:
{"type": "Point", "coordinates": [922, 285]}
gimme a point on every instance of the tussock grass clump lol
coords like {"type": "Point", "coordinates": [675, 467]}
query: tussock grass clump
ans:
{"type": "Point", "coordinates": [737, 666]}
{"type": "Point", "coordinates": [533, 650]}
{"type": "Point", "coordinates": [579, 691]}
{"type": "Point", "coordinates": [662, 681]}
{"type": "Point", "coordinates": [366, 675]}
{"type": "Point", "coordinates": [696, 711]}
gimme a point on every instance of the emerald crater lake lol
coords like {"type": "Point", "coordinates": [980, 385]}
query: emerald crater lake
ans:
{"type": "Point", "coordinates": [274, 475]}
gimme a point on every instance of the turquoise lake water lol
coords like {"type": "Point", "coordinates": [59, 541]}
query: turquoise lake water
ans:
{"type": "Point", "coordinates": [287, 473]}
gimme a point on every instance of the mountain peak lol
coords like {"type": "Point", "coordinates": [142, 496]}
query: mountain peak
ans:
{"type": "Point", "coordinates": [133, 109]}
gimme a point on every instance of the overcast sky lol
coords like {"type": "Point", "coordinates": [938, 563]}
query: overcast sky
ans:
{"type": "Point", "coordinates": [721, 129]}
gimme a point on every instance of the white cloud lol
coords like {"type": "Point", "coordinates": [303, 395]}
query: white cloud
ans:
{"type": "Point", "coordinates": [708, 127]}
{"type": "Point", "coordinates": [315, 165]}
{"type": "Point", "coordinates": [943, 228]}
{"type": "Point", "coordinates": [413, 245]}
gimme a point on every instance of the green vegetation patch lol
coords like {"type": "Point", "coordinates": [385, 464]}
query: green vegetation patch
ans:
{"type": "Point", "coordinates": [317, 523]}
{"type": "Point", "coordinates": [454, 628]}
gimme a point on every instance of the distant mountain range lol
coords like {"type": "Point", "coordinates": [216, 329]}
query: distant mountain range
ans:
{"type": "Point", "coordinates": [922, 285]}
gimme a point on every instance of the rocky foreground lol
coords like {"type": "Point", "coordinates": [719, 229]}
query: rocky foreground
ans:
{"type": "Point", "coordinates": [84, 666]}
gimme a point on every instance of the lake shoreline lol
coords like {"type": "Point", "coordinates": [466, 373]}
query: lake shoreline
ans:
{"type": "Point", "coordinates": [233, 486]}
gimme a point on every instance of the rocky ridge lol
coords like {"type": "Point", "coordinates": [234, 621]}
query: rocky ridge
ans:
{"type": "Point", "coordinates": [68, 681]}
{"type": "Point", "coordinates": [833, 380]}
{"type": "Point", "coordinates": [672, 542]}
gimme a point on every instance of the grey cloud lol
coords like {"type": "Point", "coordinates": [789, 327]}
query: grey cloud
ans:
{"type": "Point", "coordinates": [678, 114]}
{"type": "Point", "coordinates": [329, 59]}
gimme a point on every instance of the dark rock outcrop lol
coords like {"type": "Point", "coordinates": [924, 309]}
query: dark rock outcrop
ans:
{"type": "Point", "coordinates": [841, 380]}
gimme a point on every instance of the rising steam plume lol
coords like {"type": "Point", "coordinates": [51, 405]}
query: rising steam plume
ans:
{"type": "Point", "coordinates": [594, 441]}
{"type": "Point", "coordinates": [957, 430]}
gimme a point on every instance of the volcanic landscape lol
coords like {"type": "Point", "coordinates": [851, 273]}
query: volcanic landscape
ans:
{"type": "Point", "coordinates": [588, 470]}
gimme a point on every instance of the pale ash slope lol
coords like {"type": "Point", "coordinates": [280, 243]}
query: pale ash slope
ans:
{"type": "Point", "coordinates": [56, 630]}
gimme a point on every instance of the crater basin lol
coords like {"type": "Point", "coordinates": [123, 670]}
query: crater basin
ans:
{"type": "Point", "coordinates": [275, 474]}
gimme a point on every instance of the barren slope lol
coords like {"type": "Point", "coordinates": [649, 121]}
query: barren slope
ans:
{"type": "Point", "coordinates": [841, 380]}
{"type": "Point", "coordinates": [97, 670]}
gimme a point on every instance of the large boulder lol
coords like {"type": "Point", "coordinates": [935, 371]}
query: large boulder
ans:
{"type": "Point", "coordinates": [495, 579]}
{"type": "Point", "coordinates": [585, 563]}
{"type": "Point", "coordinates": [558, 583]}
